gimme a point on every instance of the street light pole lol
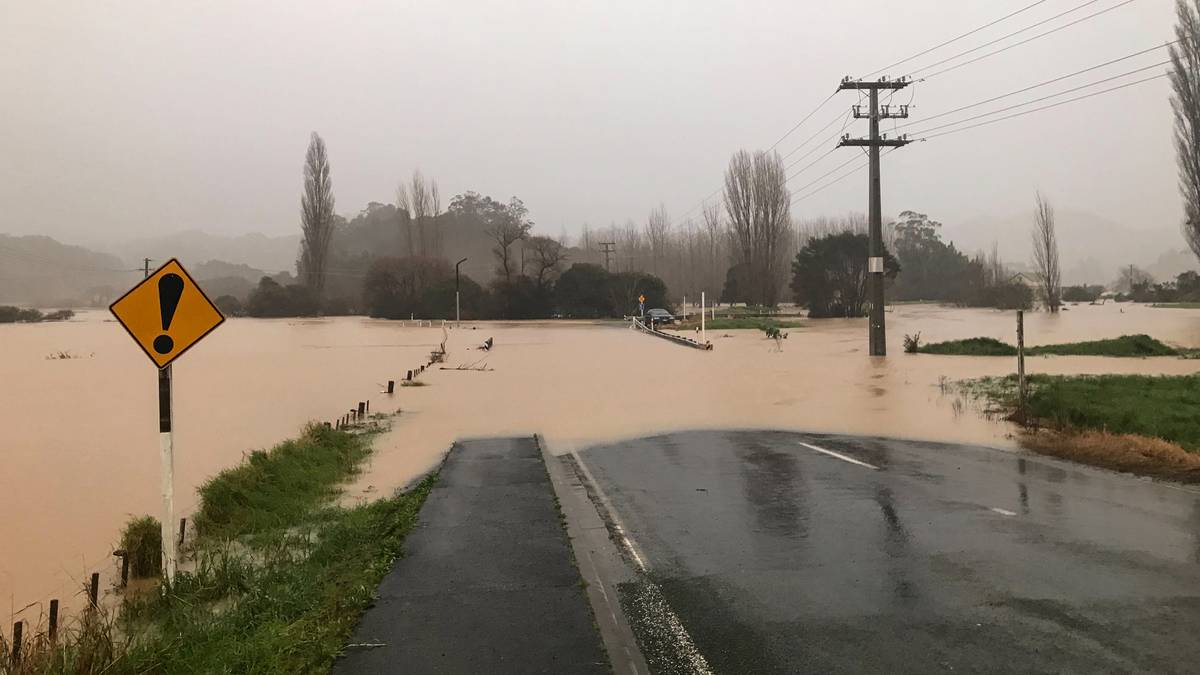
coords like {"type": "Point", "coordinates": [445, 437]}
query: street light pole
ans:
{"type": "Point", "coordinates": [457, 312]}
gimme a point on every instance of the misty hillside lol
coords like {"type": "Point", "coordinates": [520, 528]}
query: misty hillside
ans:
{"type": "Point", "coordinates": [1092, 248]}
{"type": "Point", "coordinates": [41, 271]}
{"type": "Point", "coordinates": [194, 247]}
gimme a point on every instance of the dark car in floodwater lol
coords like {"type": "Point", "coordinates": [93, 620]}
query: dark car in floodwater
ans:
{"type": "Point", "coordinates": [659, 315]}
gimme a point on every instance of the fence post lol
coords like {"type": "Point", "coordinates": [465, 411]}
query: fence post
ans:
{"type": "Point", "coordinates": [18, 628]}
{"type": "Point", "coordinates": [1021, 393]}
{"type": "Point", "coordinates": [391, 387]}
{"type": "Point", "coordinates": [53, 620]}
{"type": "Point", "coordinates": [94, 590]}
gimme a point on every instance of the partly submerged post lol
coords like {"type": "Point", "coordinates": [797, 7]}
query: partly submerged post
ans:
{"type": "Point", "coordinates": [391, 387]}
{"type": "Point", "coordinates": [362, 409]}
{"type": "Point", "coordinates": [94, 591]}
{"type": "Point", "coordinates": [1021, 363]}
{"type": "Point", "coordinates": [53, 629]}
{"type": "Point", "coordinates": [18, 628]}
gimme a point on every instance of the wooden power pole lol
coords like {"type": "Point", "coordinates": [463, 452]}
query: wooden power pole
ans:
{"type": "Point", "coordinates": [608, 248]}
{"type": "Point", "coordinates": [878, 343]}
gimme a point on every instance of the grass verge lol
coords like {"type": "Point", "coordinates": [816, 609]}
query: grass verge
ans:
{"type": "Point", "coordinates": [1140, 423]}
{"type": "Point", "coordinates": [1124, 346]}
{"type": "Point", "coordinates": [751, 323]}
{"type": "Point", "coordinates": [277, 579]}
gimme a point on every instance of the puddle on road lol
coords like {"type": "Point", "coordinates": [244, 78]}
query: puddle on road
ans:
{"type": "Point", "coordinates": [80, 444]}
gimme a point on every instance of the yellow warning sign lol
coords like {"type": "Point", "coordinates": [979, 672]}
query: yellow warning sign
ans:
{"type": "Point", "coordinates": [166, 313]}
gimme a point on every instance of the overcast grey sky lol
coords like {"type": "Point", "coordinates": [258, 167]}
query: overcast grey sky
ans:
{"type": "Point", "coordinates": [146, 117]}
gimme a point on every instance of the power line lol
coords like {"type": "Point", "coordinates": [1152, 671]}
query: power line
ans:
{"type": "Point", "coordinates": [1040, 84]}
{"type": "Point", "coordinates": [838, 134]}
{"type": "Point", "coordinates": [953, 40]}
{"type": "Point", "coordinates": [851, 172]}
{"type": "Point", "coordinates": [806, 118]}
{"type": "Point", "coordinates": [1017, 44]}
{"type": "Point", "coordinates": [815, 134]}
{"type": "Point", "coordinates": [826, 174]}
{"type": "Point", "coordinates": [1045, 107]}
{"type": "Point", "coordinates": [1043, 98]}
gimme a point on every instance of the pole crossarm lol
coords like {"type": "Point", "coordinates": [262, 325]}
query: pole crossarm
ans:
{"type": "Point", "coordinates": [881, 143]}
{"type": "Point", "coordinates": [883, 83]}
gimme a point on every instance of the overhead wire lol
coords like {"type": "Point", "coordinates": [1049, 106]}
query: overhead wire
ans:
{"type": "Point", "coordinates": [1041, 84]}
{"type": "Point", "coordinates": [953, 40]}
{"type": "Point", "coordinates": [1015, 44]}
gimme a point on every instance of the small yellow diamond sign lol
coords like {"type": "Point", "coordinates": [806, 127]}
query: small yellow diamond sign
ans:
{"type": "Point", "coordinates": [166, 313]}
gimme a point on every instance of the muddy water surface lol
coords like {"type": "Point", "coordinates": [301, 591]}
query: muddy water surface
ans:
{"type": "Point", "coordinates": [78, 438]}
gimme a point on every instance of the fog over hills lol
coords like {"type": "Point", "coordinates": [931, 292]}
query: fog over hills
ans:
{"type": "Point", "coordinates": [192, 247]}
{"type": "Point", "coordinates": [1092, 248]}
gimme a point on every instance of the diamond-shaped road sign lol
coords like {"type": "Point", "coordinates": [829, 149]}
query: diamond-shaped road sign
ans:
{"type": "Point", "coordinates": [166, 313]}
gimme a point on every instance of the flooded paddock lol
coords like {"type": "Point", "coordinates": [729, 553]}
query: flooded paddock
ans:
{"type": "Point", "coordinates": [79, 436]}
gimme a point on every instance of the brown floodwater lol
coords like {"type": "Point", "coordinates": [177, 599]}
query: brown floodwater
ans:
{"type": "Point", "coordinates": [79, 435]}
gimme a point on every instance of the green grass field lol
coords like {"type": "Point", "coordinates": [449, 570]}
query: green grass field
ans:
{"type": "Point", "coordinates": [739, 323]}
{"type": "Point", "coordinates": [1155, 406]}
{"type": "Point", "coordinates": [1124, 346]}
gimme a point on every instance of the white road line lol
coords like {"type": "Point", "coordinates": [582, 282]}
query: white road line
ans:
{"type": "Point", "coordinates": [685, 645]}
{"type": "Point", "coordinates": [638, 557]}
{"type": "Point", "coordinates": [1003, 512]}
{"type": "Point", "coordinates": [839, 455]}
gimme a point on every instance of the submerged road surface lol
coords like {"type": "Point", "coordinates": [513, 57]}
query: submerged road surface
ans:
{"type": "Point", "coordinates": [797, 553]}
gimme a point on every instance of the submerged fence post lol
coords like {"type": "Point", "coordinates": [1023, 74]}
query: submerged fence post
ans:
{"type": "Point", "coordinates": [53, 630]}
{"type": "Point", "coordinates": [362, 408]}
{"type": "Point", "coordinates": [1021, 363]}
{"type": "Point", "coordinates": [391, 387]}
{"type": "Point", "coordinates": [18, 628]}
{"type": "Point", "coordinates": [94, 591]}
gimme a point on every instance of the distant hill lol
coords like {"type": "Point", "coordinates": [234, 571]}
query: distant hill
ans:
{"type": "Point", "coordinates": [41, 271]}
{"type": "Point", "coordinates": [1092, 247]}
{"type": "Point", "coordinates": [193, 247]}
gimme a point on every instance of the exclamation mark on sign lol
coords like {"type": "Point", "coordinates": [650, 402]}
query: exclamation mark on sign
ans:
{"type": "Point", "coordinates": [170, 289]}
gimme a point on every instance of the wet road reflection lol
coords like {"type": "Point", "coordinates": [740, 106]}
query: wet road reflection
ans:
{"type": "Point", "coordinates": [934, 562]}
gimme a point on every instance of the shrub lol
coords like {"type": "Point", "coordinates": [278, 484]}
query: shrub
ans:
{"type": "Point", "coordinates": [912, 343]}
{"type": "Point", "coordinates": [142, 542]}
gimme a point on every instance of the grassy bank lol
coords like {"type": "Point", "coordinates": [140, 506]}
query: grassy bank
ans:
{"type": "Point", "coordinates": [1141, 423]}
{"type": "Point", "coordinates": [1124, 346]}
{"type": "Point", "coordinates": [276, 578]}
{"type": "Point", "coordinates": [739, 323]}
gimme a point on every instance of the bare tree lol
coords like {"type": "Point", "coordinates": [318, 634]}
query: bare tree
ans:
{"type": "Point", "coordinates": [548, 256]}
{"type": "Point", "coordinates": [1185, 101]}
{"type": "Point", "coordinates": [316, 215]}
{"type": "Point", "coordinates": [509, 226]}
{"type": "Point", "coordinates": [421, 204]}
{"type": "Point", "coordinates": [713, 243]}
{"type": "Point", "coordinates": [658, 230]}
{"type": "Point", "coordinates": [1045, 254]}
{"type": "Point", "coordinates": [758, 204]}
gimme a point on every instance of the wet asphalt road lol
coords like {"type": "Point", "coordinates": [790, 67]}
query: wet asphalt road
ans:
{"type": "Point", "coordinates": [779, 558]}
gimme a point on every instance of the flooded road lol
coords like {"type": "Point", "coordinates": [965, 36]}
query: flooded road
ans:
{"type": "Point", "coordinates": [80, 452]}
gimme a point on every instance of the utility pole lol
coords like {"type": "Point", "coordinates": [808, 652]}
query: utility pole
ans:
{"type": "Point", "coordinates": [146, 266]}
{"type": "Point", "coordinates": [877, 339]}
{"type": "Point", "coordinates": [457, 313]}
{"type": "Point", "coordinates": [608, 248]}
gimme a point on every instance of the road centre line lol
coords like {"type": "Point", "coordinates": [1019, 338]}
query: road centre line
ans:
{"type": "Point", "coordinates": [838, 455]}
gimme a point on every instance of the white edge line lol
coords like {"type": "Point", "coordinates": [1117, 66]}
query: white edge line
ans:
{"type": "Point", "coordinates": [638, 557]}
{"type": "Point", "coordinates": [839, 455]}
{"type": "Point", "coordinates": [688, 647]}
